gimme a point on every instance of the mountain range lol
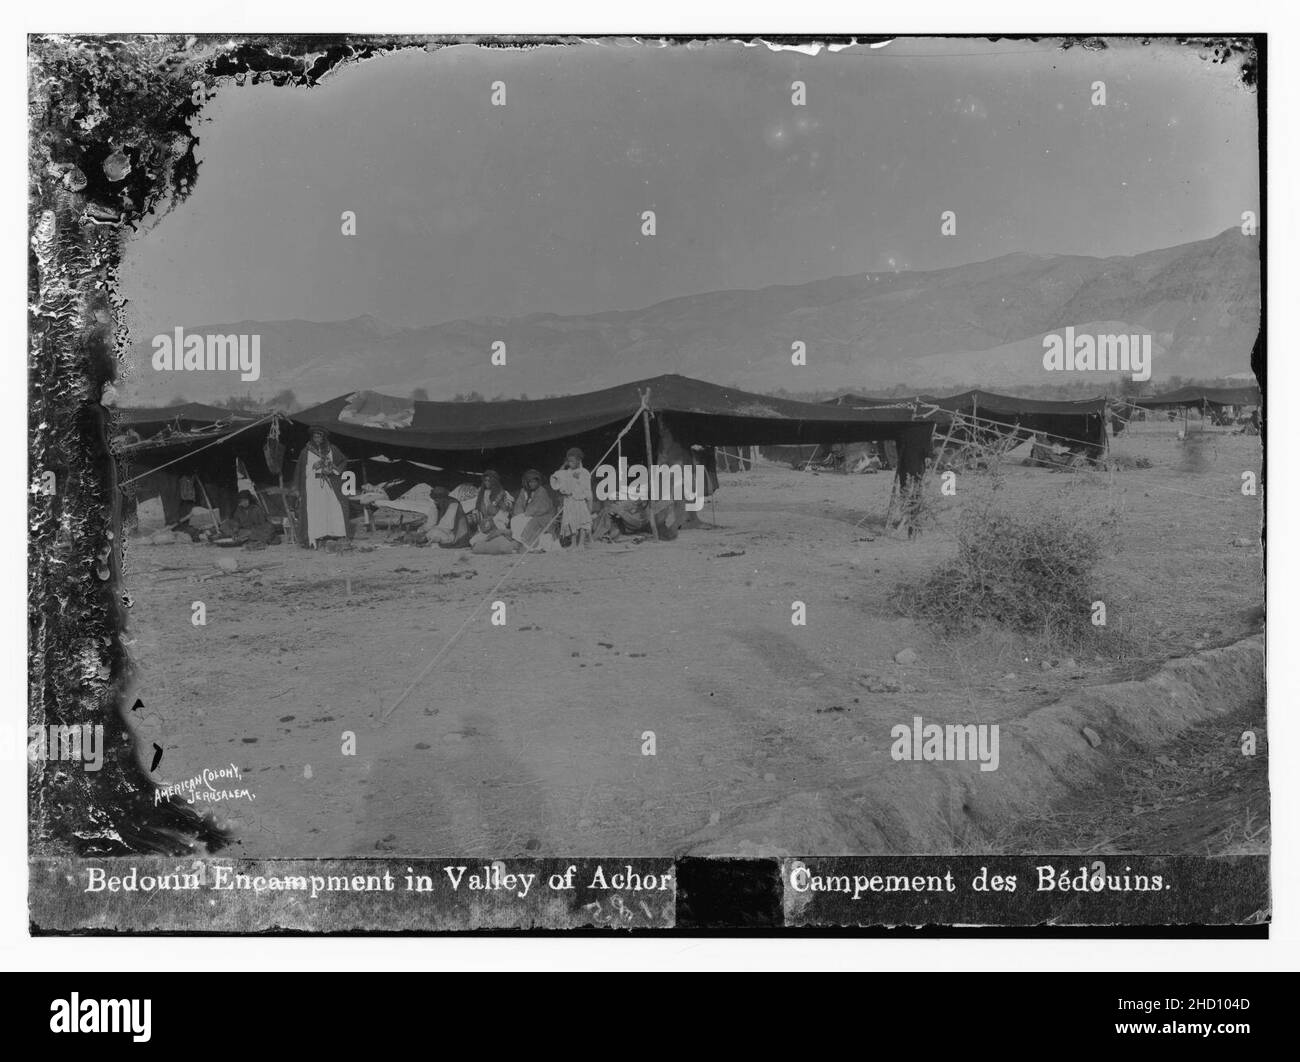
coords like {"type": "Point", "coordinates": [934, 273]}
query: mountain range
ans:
{"type": "Point", "coordinates": [972, 325]}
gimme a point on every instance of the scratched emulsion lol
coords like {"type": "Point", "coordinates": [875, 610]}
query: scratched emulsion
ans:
{"type": "Point", "coordinates": [108, 143]}
{"type": "Point", "coordinates": [112, 141]}
{"type": "Point", "coordinates": [113, 127]}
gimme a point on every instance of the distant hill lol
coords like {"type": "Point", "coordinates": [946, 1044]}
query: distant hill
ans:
{"type": "Point", "coordinates": [973, 324]}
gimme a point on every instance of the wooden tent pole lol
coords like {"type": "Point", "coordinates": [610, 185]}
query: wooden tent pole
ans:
{"type": "Point", "coordinates": [649, 459]}
{"type": "Point", "coordinates": [216, 514]}
{"type": "Point", "coordinates": [952, 424]}
{"type": "Point", "coordinates": [289, 529]}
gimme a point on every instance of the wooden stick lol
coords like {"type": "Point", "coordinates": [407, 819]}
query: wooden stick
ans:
{"type": "Point", "coordinates": [216, 515]}
{"type": "Point", "coordinates": [289, 529]}
{"type": "Point", "coordinates": [649, 460]}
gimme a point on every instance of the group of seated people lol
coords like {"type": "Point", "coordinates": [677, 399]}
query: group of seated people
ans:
{"type": "Point", "coordinates": [489, 519]}
{"type": "Point", "coordinates": [492, 520]}
{"type": "Point", "coordinates": [496, 521]}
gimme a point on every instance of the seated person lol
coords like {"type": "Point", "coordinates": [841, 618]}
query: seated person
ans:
{"type": "Point", "coordinates": [248, 523]}
{"type": "Point", "coordinates": [447, 525]}
{"type": "Point", "coordinates": [533, 521]}
{"type": "Point", "coordinates": [618, 518]}
{"type": "Point", "coordinates": [491, 518]}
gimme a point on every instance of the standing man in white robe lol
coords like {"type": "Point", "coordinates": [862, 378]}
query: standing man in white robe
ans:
{"type": "Point", "coordinates": [322, 509]}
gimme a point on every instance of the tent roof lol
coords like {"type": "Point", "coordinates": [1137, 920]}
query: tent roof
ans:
{"type": "Point", "coordinates": [988, 401]}
{"type": "Point", "coordinates": [859, 401]}
{"type": "Point", "coordinates": [1195, 396]}
{"type": "Point", "coordinates": [715, 414]}
{"type": "Point", "coordinates": [146, 421]}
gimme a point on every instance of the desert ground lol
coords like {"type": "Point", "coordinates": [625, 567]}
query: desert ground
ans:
{"type": "Point", "coordinates": [529, 738]}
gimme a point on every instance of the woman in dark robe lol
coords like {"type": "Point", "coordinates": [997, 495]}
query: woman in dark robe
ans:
{"type": "Point", "coordinates": [491, 517]}
{"type": "Point", "coordinates": [322, 508]}
{"type": "Point", "coordinates": [534, 511]}
{"type": "Point", "coordinates": [491, 513]}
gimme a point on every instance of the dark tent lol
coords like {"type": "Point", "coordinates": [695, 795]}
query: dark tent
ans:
{"type": "Point", "coordinates": [866, 401]}
{"type": "Point", "coordinates": [838, 455]}
{"type": "Point", "coordinates": [1078, 424]}
{"type": "Point", "coordinates": [516, 434]}
{"type": "Point", "coordinates": [185, 417]}
{"type": "Point", "coordinates": [1199, 397]}
{"type": "Point", "coordinates": [160, 448]}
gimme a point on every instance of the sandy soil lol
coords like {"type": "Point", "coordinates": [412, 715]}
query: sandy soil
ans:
{"type": "Point", "coordinates": [527, 738]}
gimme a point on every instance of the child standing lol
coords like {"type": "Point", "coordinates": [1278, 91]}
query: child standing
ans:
{"type": "Point", "coordinates": [573, 484]}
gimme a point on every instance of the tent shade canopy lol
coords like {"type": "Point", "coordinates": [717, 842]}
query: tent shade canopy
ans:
{"type": "Point", "coordinates": [1079, 423]}
{"type": "Point", "coordinates": [867, 401]}
{"type": "Point", "coordinates": [1200, 396]}
{"type": "Point", "coordinates": [186, 417]}
{"type": "Point", "coordinates": [699, 412]}
{"type": "Point", "coordinates": [981, 402]}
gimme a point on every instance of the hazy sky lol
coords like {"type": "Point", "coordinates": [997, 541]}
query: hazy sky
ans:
{"type": "Point", "coordinates": [465, 209]}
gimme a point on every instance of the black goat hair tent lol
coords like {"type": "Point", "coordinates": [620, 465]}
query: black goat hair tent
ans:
{"type": "Point", "coordinates": [1080, 424]}
{"type": "Point", "coordinates": [516, 433]}
{"type": "Point", "coordinates": [1199, 397]}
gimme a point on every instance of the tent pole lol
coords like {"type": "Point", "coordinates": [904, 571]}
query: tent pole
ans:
{"type": "Point", "coordinates": [287, 529]}
{"type": "Point", "coordinates": [216, 515]}
{"type": "Point", "coordinates": [649, 459]}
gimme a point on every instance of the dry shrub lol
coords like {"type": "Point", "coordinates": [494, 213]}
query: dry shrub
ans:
{"type": "Point", "coordinates": [1197, 452]}
{"type": "Point", "coordinates": [1028, 567]}
{"type": "Point", "coordinates": [1124, 462]}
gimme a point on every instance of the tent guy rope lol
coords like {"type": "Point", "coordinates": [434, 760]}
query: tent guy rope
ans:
{"type": "Point", "coordinates": [424, 671]}
{"type": "Point", "coordinates": [190, 454]}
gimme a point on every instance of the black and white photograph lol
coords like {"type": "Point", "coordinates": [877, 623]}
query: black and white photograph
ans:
{"type": "Point", "coordinates": [454, 460]}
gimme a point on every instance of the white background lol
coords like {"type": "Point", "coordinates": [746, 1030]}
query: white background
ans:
{"type": "Point", "coordinates": [18, 951]}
